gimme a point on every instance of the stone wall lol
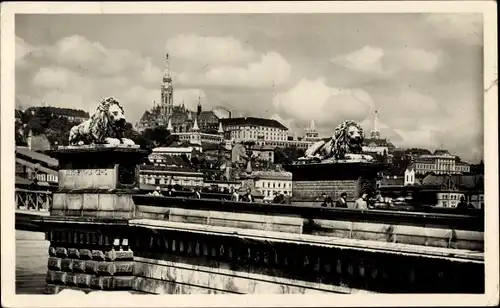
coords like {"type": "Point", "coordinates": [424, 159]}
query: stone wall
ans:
{"type": "Point", "coordinates": [180, 258]}
{"type": "Point", "coordinates": [88, 260]}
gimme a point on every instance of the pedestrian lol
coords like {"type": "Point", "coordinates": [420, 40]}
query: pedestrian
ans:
{"type": "Point", "coordinates": [327, 200]}
{"type": "Point", "coordinates": [378, 197]}
{"type": "Point", "coordinates": [277, 198]}
{"type": "Point", "coordinates": [235, 196]}
{"type": "Point", "coordinates": [462, 205]}
{"type": "Point", "coordinates": [248, 196]}
{"type": "Point", "coordinates": [197, 194]}
{"type": "Point", "coordinates": [287, 199]}
{"type": "Point", "coordinates": [361, 203]}
{"type": "Point", "coordinates": [169, 190]}
{"type": "Point", "coordinates": [157, 191]}
{"type": "Point", "coordinates": [342, 202]}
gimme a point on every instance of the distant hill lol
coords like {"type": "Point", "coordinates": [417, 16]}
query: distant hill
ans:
{"type": "Point", "coordinates": [53, 122]}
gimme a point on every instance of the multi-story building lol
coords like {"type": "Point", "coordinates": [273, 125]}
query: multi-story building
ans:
{"type": "Point", "coordinates": [167, 170]}
{"type": "Point", "coordinates": [196, 136]}
{"type": "Point", "coordinates": [272, 183]}
{"type": "Point", "coordinates": [32, 165]}
{"type": "Point", "coordinates": [254, 129]}
{"type": "Point", "coordinates": [266, 132]}
{"type": "Point", "coordinates": [440, 162]}
{"type": "Point", "coordinates": [450, 189]}
{"type": "Point", "coordinates": [161, 152]}
{"type": "Point", "coordinates": [263, 153]}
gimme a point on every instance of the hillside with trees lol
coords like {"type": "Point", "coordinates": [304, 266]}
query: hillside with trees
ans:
{"type": "Point", "coordinates": [55, 125]}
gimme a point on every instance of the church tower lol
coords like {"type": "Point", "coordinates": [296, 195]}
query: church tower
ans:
{"type": "Point", "coordinates": [375, 133]}
{"type": "Point", "coordinates": [167, 92]}
{"type": "Point", "coordinates": [198, 108]}
{"type": "Point", "coordinates": [311, 133]}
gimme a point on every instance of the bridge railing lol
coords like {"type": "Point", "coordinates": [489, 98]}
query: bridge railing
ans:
{"type": "Point", "coordinates": [37, 200]}
{"type": "Point", "coordinates": [467, 221]}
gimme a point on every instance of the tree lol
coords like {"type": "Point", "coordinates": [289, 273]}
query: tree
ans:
{"type": "Point", "coordinates": [286, 156]}
{"type": "Point", "coordinates": [152, 137]}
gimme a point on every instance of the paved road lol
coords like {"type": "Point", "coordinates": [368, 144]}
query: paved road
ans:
{"type": "Point", "coordinates": [31, 262]}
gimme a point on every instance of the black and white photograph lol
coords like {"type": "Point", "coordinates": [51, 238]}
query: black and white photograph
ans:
{"type": "Point", "coordinates": [215, 149]}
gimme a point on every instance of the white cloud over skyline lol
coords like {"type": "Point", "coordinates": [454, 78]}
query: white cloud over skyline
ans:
{"type": "Point", "coordinates": [422, 72]}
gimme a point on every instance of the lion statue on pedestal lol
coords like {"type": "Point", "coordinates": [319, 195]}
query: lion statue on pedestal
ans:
{"type": "Point", "coordinates": [105, 126]}
{"type": "Point", "coordinates": [345, 144]}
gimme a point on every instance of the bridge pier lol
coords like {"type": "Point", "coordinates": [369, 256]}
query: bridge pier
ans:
{"type": "Point", "coordinates": [87, 228]}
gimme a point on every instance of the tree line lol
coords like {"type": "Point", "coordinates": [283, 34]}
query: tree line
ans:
{"type": "Point", "coordinates": [56, 127]}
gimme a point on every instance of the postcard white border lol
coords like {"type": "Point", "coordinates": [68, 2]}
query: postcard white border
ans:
{"type": "Point", "coordinates": [487, 8]}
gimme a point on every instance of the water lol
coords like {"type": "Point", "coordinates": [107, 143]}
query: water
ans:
{"type": "Point", "coordinates": [32, 252]}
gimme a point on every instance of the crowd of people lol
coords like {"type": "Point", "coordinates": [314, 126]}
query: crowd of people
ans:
{"type": "Point", "coordinates": [364, 202]}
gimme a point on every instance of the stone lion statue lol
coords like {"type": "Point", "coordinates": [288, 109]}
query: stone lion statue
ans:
{"type": "Point", "coordinates": [345, 144]}
{"type": "Point", "coordinates": [105, 126]}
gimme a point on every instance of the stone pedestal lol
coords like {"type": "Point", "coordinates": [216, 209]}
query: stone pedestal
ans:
{"type": "Point", "coordinates": [310, 180]}
{"type": "Point", "coordinates": [87, 224]}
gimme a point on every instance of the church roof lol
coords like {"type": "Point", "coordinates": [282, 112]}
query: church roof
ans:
{"type": "Point", "coordinates": [246, 121]}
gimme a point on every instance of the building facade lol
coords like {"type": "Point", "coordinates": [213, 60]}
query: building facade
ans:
{"type": "Point", "coordinates": [254, 129]}
{"type": "Point", "coordinates": [440, 162]}
{"type": "Point", "coordinates": [450, 189]}
{"type": "Point", "coordinates": [272, 183]}
{"type": "Point", "coordinates": [32, 165]}
{"type": "Point", "coordinates": [160, 152]}
{"type": "Point", "coordinates": [169, 169]}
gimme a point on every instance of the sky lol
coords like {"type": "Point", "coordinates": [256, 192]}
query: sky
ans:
{"type": "Point", "coordinates": [422, 72]}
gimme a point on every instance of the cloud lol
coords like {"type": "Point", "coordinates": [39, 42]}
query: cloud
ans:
{"type": "Point", "coordinates": [271, 69]}
{"type": "Point", "coordinates": [289, 123]}
{"type": "Point", "coordinates": [190, 97]}
{"type": "Point", "coordinates": [387, 63]}
{"type": "Point", "coordinates": [22, 50]}
{"type": "Point", "coordinates": [209, 49]}
{"type": "Point", "coordinates": [466, 27]}
{"type": "Point", "coordinates": [78, 72]}
{"type": "Point", "coordinates": [314, 100]}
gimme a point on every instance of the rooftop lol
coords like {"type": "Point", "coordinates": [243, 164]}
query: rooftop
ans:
{"type": "Point", "coordinates": [245, 121]}
{"type": "Point", "coordinates": [461, 181]}
{"type": "Point", "coordinates": [273, 174]}
{"type": "Point", "coordinates": [378, 142]}
{"type": "Point", "coordinates": [24, 151]}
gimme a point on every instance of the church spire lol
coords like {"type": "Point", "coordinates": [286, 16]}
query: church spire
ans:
{"type": "Point", "coordinates": [375, 133]}
{"type": "Point", "coordinates": [166, 69]}
{"type": "Point", "coordinates": [169, 126]}
{"type": "Point", "coordinates": [167, 92]}
{"type": "Point", "coordinates": [198, 108]}
{"type": "Point", "coordinates": [220, 130]}
{"type": "Point", "coordinates": [312, 127]}
{"type": "Point", "coordinates": [195, 125]}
